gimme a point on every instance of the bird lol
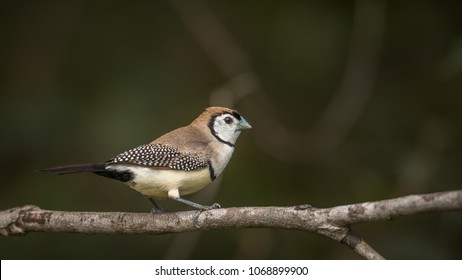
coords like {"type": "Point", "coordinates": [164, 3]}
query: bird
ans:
{"type": "Point", "coordinates": [178, 163]}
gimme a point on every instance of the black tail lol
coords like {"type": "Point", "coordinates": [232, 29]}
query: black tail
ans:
{"type": "Point", "coordinates": [97, 168]}
{"type": "Point", "coordinates": [77, 168]}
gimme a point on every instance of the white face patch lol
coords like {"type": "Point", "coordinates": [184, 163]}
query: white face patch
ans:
{"type": "Point", "coordinates": [226, 128]}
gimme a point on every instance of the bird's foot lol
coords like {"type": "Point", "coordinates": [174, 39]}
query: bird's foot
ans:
{"type": "Point", "coordinates": [155, 210]}
{"type": "Point", "coordinates": [202, 209]}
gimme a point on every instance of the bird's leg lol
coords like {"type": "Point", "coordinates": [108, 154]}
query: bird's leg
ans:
{"type": "Point", "coordinates": [197, 205]}
{"type": "Point", "coordinates": [156, 208]}
{"type": "Point", "coordinates": [175, 195]}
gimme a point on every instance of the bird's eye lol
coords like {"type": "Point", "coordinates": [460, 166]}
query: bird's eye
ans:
{"type": "Point", "coordinates": [228, 120]}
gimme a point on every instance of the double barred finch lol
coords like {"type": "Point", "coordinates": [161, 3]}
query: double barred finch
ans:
{"type": "Point", "coordinates": [178, 163]}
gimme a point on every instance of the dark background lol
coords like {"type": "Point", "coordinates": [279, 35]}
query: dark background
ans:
{"type": "Point", "coordinates": [350, 101]}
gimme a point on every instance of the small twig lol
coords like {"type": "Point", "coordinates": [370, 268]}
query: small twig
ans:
{"type": "Point", "coordinates": [361, 247]}
{"type": "Point", "coordinates": [332, 222]}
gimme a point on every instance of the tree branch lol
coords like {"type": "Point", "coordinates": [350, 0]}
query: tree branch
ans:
{"type": "Point", "coordinates": [334, 222]}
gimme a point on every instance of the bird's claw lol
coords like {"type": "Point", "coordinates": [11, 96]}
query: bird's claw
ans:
{"type": "Point", "coordinates": [202, 209]}
{"type": "Point", "coordinates": [155, 210]}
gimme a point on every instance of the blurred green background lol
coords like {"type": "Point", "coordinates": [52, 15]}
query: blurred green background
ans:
{"type": "Point", "coordinates": [350, 101]}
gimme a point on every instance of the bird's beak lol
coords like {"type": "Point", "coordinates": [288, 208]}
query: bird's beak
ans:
{"type": "Point", "coordinates": [243, 124]}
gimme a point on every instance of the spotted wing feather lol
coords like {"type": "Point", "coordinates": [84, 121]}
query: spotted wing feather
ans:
{"type": "Point", "coordinates": [159, 155]}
